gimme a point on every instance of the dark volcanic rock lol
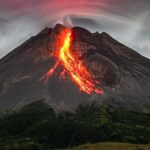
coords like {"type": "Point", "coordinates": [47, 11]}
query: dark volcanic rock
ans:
{"type": "Point", "coordinates": [124, 74]}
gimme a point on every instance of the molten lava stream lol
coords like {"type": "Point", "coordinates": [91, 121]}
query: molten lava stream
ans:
{"type": "Point", "coordinates": [76, 70]}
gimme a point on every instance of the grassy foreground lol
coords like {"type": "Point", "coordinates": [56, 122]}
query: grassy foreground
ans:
{"type": "Point", "coordinates": [112, 146]}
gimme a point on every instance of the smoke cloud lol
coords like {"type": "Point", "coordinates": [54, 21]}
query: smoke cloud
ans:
{"type": "Point", "coordinates": [127, 21]}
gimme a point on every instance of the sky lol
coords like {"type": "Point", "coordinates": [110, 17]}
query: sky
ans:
{"type": "Point", "coordinates": [127, 21]}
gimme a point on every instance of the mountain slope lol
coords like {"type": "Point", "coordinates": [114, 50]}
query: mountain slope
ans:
{"type": "Point", "coordinates": [124, 74]}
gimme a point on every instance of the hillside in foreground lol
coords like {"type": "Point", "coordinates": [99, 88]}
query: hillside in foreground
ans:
{"type": "Point", "coordinates": [112, 146]}
{"type": "Point", "coordinates": [37, 126]}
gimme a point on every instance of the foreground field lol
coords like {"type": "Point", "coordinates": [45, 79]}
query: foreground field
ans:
{"type": "Point", "coordinates": [112, 146]}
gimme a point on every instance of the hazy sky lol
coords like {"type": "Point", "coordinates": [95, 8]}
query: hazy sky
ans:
{"type": "Point", "coordinates": [127, 21]}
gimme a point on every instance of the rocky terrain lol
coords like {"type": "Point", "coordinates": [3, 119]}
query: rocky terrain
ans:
{"type": "Point", "coordinates": [124, 74]}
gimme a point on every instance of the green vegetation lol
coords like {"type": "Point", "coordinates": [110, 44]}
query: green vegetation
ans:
{"type": "Point", "coordinates": [36, 126]}
{"type": "Point", "coordinates": [25, 144]}
{"type": "Point", "coordinates": [112, 146]}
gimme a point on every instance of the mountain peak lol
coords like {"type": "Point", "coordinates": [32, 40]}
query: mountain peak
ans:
{"type": "Point", "coordinates": [105, 35]}
{"type": "Point", "coordinates": [124, 74]}
{"type": "Point", "coordinates": [46, 30]}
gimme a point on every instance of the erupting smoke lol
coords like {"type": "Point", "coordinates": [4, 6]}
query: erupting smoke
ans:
{"type": "Point", "coordinates": [118, 18]}
{"type": "Point", "coordinates": [72, 66]}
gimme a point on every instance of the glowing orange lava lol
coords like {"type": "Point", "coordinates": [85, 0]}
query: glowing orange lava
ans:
{"type": "Point", "coordinates": [76, 70]}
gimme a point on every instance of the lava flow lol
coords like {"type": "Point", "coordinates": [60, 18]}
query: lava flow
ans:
{"type": "Point", "coordinates": [72, 66]}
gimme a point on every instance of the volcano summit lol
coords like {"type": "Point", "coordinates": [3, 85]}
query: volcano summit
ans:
{"type": "Point", "coordinates": [77, 67]}
{"type": "Point", "coordinates": [72, 65]}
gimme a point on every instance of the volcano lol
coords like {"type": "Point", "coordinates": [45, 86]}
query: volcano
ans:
{"type": "Point", "coordinates": [97, 69]}
{"type": "Point", "coordinates": [72, 65]}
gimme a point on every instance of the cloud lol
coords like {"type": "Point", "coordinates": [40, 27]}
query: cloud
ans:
{"type": "Point", "coordinates": [15, 32]}
{"type": "Point", "coordinates": [127, 21]}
